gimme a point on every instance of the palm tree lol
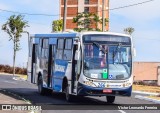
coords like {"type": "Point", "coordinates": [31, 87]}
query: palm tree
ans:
{"type": "Point", "coordinates": [129, 30]}
{"type": "Point", "coordinates": [14, 28]}
{"type": "Point", "coordinates": [57, 25]}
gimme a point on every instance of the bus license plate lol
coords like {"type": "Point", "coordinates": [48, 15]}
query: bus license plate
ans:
{"type": "Point", "coordinates": [107, 91]}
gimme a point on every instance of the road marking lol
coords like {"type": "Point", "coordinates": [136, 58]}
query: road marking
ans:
{"type": "Point", "coordinates": [10, 82]}
{"type": "Point", "coordinates": [121, 111]}
{"type": "Point", "coordinates": [147, 99]}
{"type": "Point", "coordinates": [15, 78]}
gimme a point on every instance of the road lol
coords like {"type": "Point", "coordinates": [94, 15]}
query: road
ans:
{"type": "Point", "coordinates": [29, 92]}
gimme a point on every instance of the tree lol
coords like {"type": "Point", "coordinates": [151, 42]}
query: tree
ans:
{"type": "Point", "coordinates": [14, 28]}
{"type": "Point", "coordinates": [97, 20]}
{"type": "Point", "coordinates": [86, 20]}
{"type": "Point", "coordinates": [129, 30]}
{"type": "Point", "coordinates": [57, 25]}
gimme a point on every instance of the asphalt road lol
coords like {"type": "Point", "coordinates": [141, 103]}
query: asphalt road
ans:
{"type": "Point", "coordinates": [29, 92]}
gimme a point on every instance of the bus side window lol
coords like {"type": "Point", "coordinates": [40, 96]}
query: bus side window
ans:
{"type": "Point", "coordinates": [68, 49]}
{"type": "Point", "coordinates": [40, 48]}
{"type": "Point", "coordinates": [30, 47]}
{"type": "Point", "coordinates": [45, 45]}
{"type": "Point", "coordinates": [60, 48]}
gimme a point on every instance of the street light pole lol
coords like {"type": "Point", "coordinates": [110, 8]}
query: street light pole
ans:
{"type": "Point", "coordinates": [64, 15]}
{"type": "Point", "coordinates": [28, 37]}
{"type": "Point", "coordinates": [103, 18]}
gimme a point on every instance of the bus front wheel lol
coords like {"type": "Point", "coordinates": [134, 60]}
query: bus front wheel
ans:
{"type": "Point", "coordinates": [110, 99]}
{"type": "Point", "coordinates": [67, 95]}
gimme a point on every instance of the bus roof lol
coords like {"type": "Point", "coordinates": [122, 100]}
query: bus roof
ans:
{"type": "Point", "coordinates": [62, 34]}
{"type": "Point", "coordinates": [107, 33]}
{"type": "Point", "coordinates": [75, 34]}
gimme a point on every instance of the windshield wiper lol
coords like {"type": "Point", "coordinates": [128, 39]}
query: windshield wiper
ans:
{"type": "Point", "coordinates": [99, 46]}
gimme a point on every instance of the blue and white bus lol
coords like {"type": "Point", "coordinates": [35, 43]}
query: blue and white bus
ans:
{"type": "Point", "coordinates": [85, 64]}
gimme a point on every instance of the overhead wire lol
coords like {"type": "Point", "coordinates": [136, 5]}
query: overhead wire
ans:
{"type": "Point", "coordinates": [41, 14]}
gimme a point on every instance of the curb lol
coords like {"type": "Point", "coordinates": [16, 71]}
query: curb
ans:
{"type": "Point", "coordinates": [16, 77]}
{"type": "Point", "coordinates": [13, 95]}
{"type": "Point", "coordinates": [148, 99]}
{"type": "Point", "coordinates": [147, 93]}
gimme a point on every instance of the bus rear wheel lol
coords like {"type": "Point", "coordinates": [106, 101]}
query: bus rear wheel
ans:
{"type": "Point", "coordinates": [110, 99]}
{"type": "Point", "coordinates": [41, 89]}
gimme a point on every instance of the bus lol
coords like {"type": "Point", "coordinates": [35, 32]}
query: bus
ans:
{"type": "Point", "coordinates": [82, 64]}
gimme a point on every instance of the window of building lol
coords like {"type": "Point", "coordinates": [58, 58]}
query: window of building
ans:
{"type": "Point", "coordinates": [86, 9]}
{"type": "Point", "coordinates": [86, 1]}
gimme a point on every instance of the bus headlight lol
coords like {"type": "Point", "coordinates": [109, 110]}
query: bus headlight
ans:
{"type": "Point", "coordinates": [89, 83]}
{"type": "Point", "coordinates": [128, 84]}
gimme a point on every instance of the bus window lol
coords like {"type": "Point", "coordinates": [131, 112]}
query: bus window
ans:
{"type": "Point", "coordinates": [60, 48]}
{"type": "Point", "coordinates": [30, 47]}
{"type": "Point", "coordinates": [68, 50]}
{"type": "Point", "coordinates": [45, 48]}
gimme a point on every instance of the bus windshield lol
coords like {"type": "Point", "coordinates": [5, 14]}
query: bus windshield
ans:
{"type": "Point", "coordinates": [110, 59]}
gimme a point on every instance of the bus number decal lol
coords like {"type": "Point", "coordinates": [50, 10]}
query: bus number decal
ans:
{"type": "Point", "coordinates": [101, 85]}
{"type": "Point", "coordinates": [59, 68]}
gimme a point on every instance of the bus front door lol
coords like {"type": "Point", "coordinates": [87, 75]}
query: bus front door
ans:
{"type": "Point", "coordinates": [74, 62]}
{"type": "Point", "coordinates": [50, 65]}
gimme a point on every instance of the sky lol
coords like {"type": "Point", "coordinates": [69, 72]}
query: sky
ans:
{"type": "Point", "coordinates": [143, 18]}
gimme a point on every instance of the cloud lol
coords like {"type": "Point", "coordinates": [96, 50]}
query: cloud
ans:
{"type": "Point", "coordinates": [143, 12]}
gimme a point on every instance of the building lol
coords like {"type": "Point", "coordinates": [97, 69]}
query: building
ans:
{"type": "Point", "coordinates": [147, 71]}
{"type": "Point", "coordinates": [78, 6]}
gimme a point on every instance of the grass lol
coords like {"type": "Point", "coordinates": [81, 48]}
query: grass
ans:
{"type": "Point", "coordinates": [23, 76]}
{"type": "Point", "coordinates": [144, 88]}
{"type": "Point", "coordinates": [154, 97]}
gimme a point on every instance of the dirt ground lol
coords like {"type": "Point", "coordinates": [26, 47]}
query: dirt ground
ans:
{"type": "Point", "coordinates": [152, 89]}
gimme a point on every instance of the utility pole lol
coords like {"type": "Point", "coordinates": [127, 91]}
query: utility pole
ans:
{"type": "Point", "coordinates": [64, 15]}
{"type": "Point", "coordinates": [103, 14]}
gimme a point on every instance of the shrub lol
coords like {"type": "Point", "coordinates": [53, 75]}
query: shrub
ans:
{"type": "Point", "coordinates": [9, 69]}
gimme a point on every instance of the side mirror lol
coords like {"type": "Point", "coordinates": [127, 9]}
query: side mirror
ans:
{"type": "Point", "coordinates": [134, 52]}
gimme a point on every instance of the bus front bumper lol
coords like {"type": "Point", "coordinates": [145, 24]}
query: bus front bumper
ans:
{"type": "Point", "coordinates": [85, 90]}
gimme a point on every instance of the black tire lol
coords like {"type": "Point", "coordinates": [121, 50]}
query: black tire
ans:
{"type": "Point", "coordinates": [41, 89]}
{"type": "Point", "coordinates": [67, 95]}
{"type": "Point", "coordinates": [110, 99]}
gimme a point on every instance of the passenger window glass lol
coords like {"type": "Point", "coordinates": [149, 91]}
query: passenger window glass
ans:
{"type": "Point", "coordinates": [60, 43]}
{"type": "Point", "coordinates": [59, 54]}
{"type": "Point", "coordinates": [45, 46]}
{"type": "Point", "coordinates": [68, 44]}
{"type": "Point", "coordinates": [60, 47]}
{"type": "Point", "coordinates": [68, 49]}
{"type": "Point", "coordinates": [67, 55]}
